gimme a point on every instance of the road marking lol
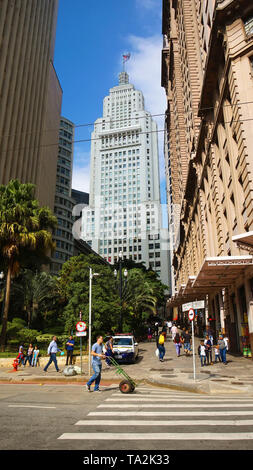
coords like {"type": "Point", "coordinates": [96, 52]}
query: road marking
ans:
{"type": "Point", "coordinates": [176, 405]}
{"type": "Point", "coordinates": [197, 422]}
{"type": "Point", "coordinates": [171, 413]}
{"type": "Point", "coordinates": [158, 436]}
{"type": "Point", "coordinates": [163, 399]}
{"type": "Point", "coordinates": [31, 406]}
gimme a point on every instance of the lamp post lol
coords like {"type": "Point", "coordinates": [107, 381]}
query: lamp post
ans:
{"type": "Point", "coordinates": [90, 302]}
{"type": "Point", "coordinates": [121, 288]}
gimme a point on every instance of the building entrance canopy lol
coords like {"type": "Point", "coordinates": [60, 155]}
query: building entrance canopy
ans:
{"type": "Point", "coordinates": [244, 240]}
{"type": "Point", "coordinates": [221, 271]}
{"type": "Point", "coordinates": [215, 274]}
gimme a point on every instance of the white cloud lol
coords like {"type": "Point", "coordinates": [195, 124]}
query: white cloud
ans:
{"type": "Point", "coordinates": [81, 170]}
{"type": "Point", "coordinates": [144, 69]}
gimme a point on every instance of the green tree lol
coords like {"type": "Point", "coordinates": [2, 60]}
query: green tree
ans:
{"type": "Point", "coordinates": [24, 229]}
{"type": "Point", "coordinates": [74, 288]}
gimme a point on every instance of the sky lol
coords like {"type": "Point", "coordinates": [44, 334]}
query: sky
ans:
{"type": "Point", "coordinates": [90, 40]}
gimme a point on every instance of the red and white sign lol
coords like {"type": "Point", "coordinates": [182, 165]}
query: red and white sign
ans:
{"type": "Point", "coordinates": [81, 326]}
{"type": "Point", "coordinates": [191, 314]}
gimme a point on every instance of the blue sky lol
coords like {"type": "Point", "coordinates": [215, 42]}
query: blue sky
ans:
{"type": "Point", "coordinates": [90, 40]}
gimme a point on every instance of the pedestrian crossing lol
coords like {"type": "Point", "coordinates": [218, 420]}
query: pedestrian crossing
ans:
{"type": "Point", "coordinates": [164, 415]}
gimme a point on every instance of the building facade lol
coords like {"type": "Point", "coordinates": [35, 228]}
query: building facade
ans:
{"type": "Point", "coordinates": [213, 109]}
{"type": "Point", "coordinates": [30, 95]}
{"type": "Point", "coordinates": [64, 202]}
{"type": "Point", "coordinates": [124, 213]}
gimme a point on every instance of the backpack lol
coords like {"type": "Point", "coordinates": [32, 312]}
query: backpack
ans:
{"type": "Point", "coordinates": [161, 339]}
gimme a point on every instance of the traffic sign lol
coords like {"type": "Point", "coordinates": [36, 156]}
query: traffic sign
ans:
{"type": "Point", "coordinates": [81, 326]}
{"type": "Point", "coordinates": [81, 333]}
{"type": "Point", "coordinates": [191, 314]}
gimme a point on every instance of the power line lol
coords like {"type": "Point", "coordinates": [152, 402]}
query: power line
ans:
{"type": "Point", "coordinates": [102, 137]}
{"type": "Point", "coordinates": [123, 119]}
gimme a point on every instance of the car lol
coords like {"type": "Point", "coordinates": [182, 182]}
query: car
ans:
{"type": "Point", "coordinates": [125, 348]}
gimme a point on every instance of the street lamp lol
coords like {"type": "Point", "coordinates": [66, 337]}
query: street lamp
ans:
{"type": "Point", "coordinates": [125, 273]}
{"type": "Point", "coordinates": [90, 296]}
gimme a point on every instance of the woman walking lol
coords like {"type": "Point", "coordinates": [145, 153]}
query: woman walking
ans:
{"type": "Point", "coordinates": [29, 355]}
{"type": "Point", "coordinates": [178, 343]}
{"type": "Point", "coordinates": [161, 346]}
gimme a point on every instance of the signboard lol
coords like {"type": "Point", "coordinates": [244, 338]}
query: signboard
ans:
{"type": "Point", "coordinates": [81, 326]}
{"type": "Point", "coordinates": [81, 333]}
{"type": "Point", "coordinates": [195, 305]}
{"type": "Point", "coordinates": [191, 314]}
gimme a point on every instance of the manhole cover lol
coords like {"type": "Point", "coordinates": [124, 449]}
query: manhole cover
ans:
{"type": "Point", "coordinates": [161, 370]}
{"type": "Point", "coordinates": [237, 383]}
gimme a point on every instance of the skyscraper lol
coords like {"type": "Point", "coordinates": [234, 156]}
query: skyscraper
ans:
{"type": "Point", "coordinates": [30, 95]}
{"type": "Point", "coordinates": [64, 203]}
{"type": "Point", "coordinates": [124, 213]}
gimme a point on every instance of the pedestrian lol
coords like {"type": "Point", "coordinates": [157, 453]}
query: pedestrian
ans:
{"type": "Point", "coordinates": [21, 356]}
{"type": "Point", "coordinates": [161, 346]}
{"type": "Point", "coordinates": [109, 351]}
{"type": "Point", "coordinates": [97, 355]}
{"type": "Point", "coordinates": [202, 353]}
{"type": "Point", "coordinates": [222, 349]}
{"type": "Point", "coordinates": [156, 330]}
{"type": "Point", "coordinates": [35, 359]}
{"type": "Point", "coordinates": [52, 351]}
{"type": "Point", "coordinates": [169, 325]}
{"type": "Point", "coordinates": [29, 355]}
{"type": "Point", "coordinates": [226, 340]}
{"type": "Point", "coordinates": [149, 334]}
{"type": "Point", "coordinates": [217, 354]}
{"type": "Point", "coordinates": [178, 343]}
{"type": "Point", "coordinates": [70, 349]}
{"type": "Point", "coordinates": [174, 331]}
{"type": "Point", "coordinates": [208, 347]}
{"type": "Point", "coordinates": [164, 329]}
{"type": "Point", "coordinates": [187, 343]}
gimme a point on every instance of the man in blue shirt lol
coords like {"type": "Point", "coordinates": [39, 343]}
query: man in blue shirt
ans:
{"type": "Point", "coordinates": [70, 348]}
{"type": "Point", "coordinates": [52, 350]}
{"type": "Point", "coordinates": [97, 356]}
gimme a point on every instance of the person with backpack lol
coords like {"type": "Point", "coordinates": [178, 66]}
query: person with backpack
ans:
{"type": "Point", "coordinates": [161, 346]}
{"type": "Point", "coordinates": [70, 349]}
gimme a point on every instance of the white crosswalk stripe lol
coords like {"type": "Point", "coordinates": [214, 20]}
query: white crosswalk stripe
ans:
{"type": "Point", "coordinates": [180, 417]}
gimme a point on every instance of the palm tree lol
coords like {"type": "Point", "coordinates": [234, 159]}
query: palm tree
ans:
{"type": "Point", "coordinates": [24, 228]}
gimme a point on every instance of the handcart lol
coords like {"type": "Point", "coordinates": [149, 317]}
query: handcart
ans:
{"type": "Point", "coordinates": [127, 385]}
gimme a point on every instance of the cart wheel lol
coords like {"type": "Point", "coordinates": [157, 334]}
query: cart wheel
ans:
{"type": "Point", "coordinates": [125, 386]}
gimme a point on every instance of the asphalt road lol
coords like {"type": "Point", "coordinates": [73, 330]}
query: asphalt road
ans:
{"type": "Point", "coordinates": [68, 417]}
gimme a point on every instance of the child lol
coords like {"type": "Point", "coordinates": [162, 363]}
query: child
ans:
{"type": "Point", "coordinates": [217, 354]}
{"type": "Point", "coordinates": [202, 353]}
{"type": "Point", "coordinates": [35, 359]}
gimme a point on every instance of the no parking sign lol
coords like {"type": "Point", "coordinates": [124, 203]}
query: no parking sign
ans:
{"type": "Point", "coordinates": [191, 314]}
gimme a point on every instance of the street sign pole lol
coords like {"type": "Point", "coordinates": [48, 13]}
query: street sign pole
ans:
{"type": "Point", "coordinates": [81, 346]}
{"type": "Point", "coordinates": [90, 290]}
{"type": "Point", "coordinates": [191, 316]}
{"type": "Point", "coordinates": [193, 353]}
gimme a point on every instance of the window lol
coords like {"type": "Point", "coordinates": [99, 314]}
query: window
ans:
{"type": "Point", "coordinates": [248, 24]}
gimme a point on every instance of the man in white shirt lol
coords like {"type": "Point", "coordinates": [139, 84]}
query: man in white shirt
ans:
{"type": "Point", "coordinates": [52, 350]}
{"type": "Point", "coordinates": [174, 331]}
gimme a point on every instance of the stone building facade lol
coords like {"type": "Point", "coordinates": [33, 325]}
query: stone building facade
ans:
{"type": "Point", "coordinates": [209, 46]}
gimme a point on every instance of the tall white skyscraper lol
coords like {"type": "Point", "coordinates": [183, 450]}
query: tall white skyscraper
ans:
{"type": "Point", "coordinates": [124, 213]}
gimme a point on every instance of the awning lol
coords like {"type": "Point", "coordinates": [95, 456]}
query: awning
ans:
{"type": "Point", "coordinates": [244, 240]}
{"type": "Point", "coordinates": [221, 271]}
{"type": "Point", "coordinates": [215, 274]}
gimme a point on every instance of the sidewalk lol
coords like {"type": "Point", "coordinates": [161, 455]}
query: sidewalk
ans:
{"type": "Point", "coordinates": [174, 373]}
